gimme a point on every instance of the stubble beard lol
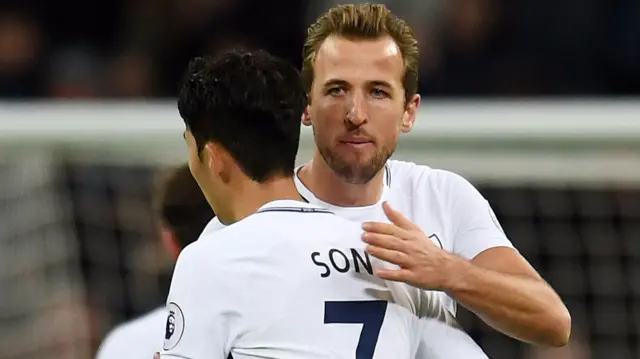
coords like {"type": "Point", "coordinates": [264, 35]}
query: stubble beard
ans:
{"type": "Point", "coordinates": [355, 171]}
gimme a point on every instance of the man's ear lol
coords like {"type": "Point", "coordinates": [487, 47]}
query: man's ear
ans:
{"type": "Point", "coordinates": [306, 117]}
{"type": "Point", "coordinates": [170, 242]}
{"type": "Point", "coordinates": [410, 112]}
{"type": "Point", "coordinates": [218, 160]}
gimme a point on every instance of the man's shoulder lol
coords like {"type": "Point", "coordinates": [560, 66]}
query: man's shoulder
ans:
{"type": "Point", "coordinates": [139, 335]}
{"type": "Point", "coordinates": [212, 236]}
{"type": "Point", "coordinates": [320, 229]}
{"type": "Point", "coordinates": [280, 232]}
{"type": "Point", "coordinates": [213, 226]}
{"type": "Point", "coordinates": [208, 236]}
{"type": "Point", "coordinates": [290, 221]}
{"type": "Point", "coordinates": [409, 175]}
{"type": "Point", "coordinates": [265, 234]}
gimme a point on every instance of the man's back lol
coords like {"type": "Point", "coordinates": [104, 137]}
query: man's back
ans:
{"type": "Point", "coordinates": [291, 281]}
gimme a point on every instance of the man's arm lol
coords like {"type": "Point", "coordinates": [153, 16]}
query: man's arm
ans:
{"type": "Point", "coordinates": [507, 294]}
{"type": "Point", "coordinates": [198, 308]}
{"type": "Point", "coordinates": [484, 273]}
{"type": "Point", "coordinates": [495, 281]}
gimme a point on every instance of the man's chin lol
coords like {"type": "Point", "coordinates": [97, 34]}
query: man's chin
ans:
{"type": "Point", "coordinates": [355, 173]}
{"type": "Point", "coordinates": [352, 167]}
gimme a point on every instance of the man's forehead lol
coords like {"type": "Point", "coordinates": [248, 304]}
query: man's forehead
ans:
{"type": "Point", "coordinates": [333, 45]}
{"type": "Point", "coordinates": [339, 56]}
{"type": "Point", "coordinates": [383, 48]}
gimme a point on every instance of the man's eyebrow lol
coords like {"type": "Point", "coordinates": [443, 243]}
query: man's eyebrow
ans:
{"type": "Point", "coordinates": [380, 83]}
{"type": "Point", "coordinates": [335, 82]}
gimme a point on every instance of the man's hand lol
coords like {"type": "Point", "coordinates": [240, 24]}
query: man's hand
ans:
{"type": "Point", "coordinates": [532, 312]}
{"type": "Point", "coordinates": [422, 263]}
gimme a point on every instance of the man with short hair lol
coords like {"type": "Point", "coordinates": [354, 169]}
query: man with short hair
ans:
{"type": "Point", "coordinates": [284, 278]}
{"type": "Point", "coordinates": [360, 71]}
{"type": "Point", "coordinates": [182, 213]}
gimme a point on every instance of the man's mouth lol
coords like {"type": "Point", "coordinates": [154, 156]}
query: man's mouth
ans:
{"type": "Point", "coordinates": [356, 143]}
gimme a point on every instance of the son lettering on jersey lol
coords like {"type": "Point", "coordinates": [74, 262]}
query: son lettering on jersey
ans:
{"type": "Point", "coordinates": [342, 261]}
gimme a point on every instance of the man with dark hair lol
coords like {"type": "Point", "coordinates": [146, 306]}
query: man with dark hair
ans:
{"type": "Point", "coordinates": [182, 213]}
{"type": "Point", "coordinates": [284, 278]}
{"type": "Point", "coordinates": [239, 109]}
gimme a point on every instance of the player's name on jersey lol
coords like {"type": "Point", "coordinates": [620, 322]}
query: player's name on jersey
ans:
{"type": "Point", "coordinates": [342, 261]}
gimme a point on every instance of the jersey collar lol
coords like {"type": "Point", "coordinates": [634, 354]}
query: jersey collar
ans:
{"type": "Point", "coordinates": [294, 206]}
{"type": "Point", "coordinates": [286, 203]}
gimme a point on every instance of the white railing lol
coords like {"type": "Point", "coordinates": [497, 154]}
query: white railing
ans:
{"type": "Point", "coordinates": [582, 141]}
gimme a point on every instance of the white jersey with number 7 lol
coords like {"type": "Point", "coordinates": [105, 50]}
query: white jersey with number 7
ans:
{"type": "Point", "coordinates": [290, 281]}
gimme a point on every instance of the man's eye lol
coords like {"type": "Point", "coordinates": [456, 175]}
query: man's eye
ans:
{"type": "Point", "coordinates": [335, 91]}
{"type": "Point", "coordinates": [376, 92]}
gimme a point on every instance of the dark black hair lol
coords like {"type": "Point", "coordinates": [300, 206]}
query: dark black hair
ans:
{"type": "Point", "coordinates": [251, 103]}
{"type": "Point", "coordinates": [181, 206]}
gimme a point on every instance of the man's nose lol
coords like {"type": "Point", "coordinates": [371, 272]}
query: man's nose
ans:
{"type": "Point", "coordinates": [356, 110]}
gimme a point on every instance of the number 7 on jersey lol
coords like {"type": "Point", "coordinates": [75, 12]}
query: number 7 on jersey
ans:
{"type": "Point", "coordinates": [369, 313]}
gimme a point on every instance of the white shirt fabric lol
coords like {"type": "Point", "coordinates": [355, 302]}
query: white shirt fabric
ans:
{"type": "Point", "coordinates": [448, 208]}
{"type": "Point", "coordinates": [135, 339]}
{"type": "Point", "coordinates": [140, 337]}
{"type": "Point", "coordinates": [442, 341]}
{"type": "Point", "coordinates": [290, 281]}
{"type": "Point", "coordinates": [445, 205]}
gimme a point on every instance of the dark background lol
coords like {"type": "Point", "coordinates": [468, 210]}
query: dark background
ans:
{"type": "Point", "coordinates": [470, 48]}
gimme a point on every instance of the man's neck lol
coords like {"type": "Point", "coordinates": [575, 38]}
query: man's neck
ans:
{"type": "Point", "coordinates": [251, 196]}
{"type": "Point", "coordinates": [318, 177]}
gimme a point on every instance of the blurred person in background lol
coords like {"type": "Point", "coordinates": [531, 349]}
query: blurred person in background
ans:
{"type": "Point", "coordinates": [74, 75]}
{"type": "Point", "coordinates": [183, 213]}
{"type": "Point", "coordinates": [361, 72]}
{"type": "Point", "coordinates": [20, 55]}
{"type": "Point", "coordinates": [475, 48]}
{"type": "Point", "coordinates": [130, 75]}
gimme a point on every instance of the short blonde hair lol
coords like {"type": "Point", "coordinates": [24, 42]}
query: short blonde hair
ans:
{"type": "Point", "coordinates": [362, 21]}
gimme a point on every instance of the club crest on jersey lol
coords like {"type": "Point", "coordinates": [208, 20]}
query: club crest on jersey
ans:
{"type": "Point", "coordinates": [434, 237]}
{"type": "Point", "coordinates": [174, 326]}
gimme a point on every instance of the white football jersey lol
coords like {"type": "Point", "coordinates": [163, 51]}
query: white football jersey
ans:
{"type": "Point", "coordinates": [290, 281]}
{"type": "Point", "coordinates": [135, 339]}
{"type": "Point", "coordinates": [442, 341]}
{"type": "Point", "coordinates": [449, 210]}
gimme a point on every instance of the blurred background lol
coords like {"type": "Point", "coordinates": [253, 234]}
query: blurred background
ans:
{"type": "Point", "coordinates": [534, 101]}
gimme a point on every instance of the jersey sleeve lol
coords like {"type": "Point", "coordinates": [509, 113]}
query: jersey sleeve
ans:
{"type": "Point", "coordinates": [199, 310]}
{"type": "Point", "coordinates": [475, 226]}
